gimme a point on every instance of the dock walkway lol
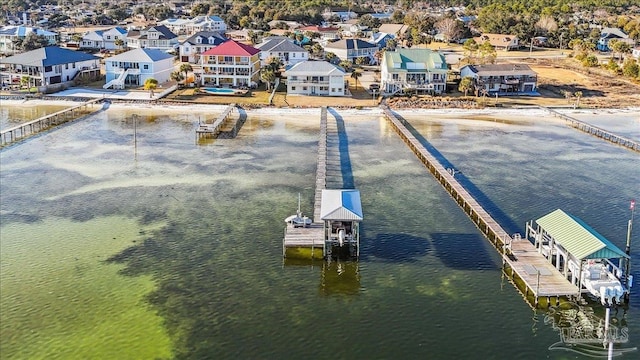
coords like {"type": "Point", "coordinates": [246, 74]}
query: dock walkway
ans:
{"type": "Point", "coordinates": [312, 236]}
{"type": "Point", "coordinates": [214, 129]}
{"type": "Point", "coordinates": [33, 127]}
{"type": "Point", "coordinates": [596, 131]}
{"type": "Point", "coordinates": [538, 274]}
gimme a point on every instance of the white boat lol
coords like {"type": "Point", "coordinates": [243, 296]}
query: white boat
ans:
{"type": "Point", "coordinates": [298, 220]}
{"type": "Point", "coordinates": [600, 281]}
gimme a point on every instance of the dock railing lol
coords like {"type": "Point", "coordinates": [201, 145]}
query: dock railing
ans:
{"type": "Point", "coordinates": [596, 131]}
{"type": "Point", "coordinates": [33, 127]}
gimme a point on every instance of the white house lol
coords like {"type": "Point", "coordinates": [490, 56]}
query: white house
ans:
{"type": "Point", "coordinates": [501, 78]}
{"type": "Point", "coordinates": [103, 39]}
{"type": "Point", "coordinates": [635, 52]}
{"type": "Point", "coordinates": [316, 78]}
{"type": "Point", "coordinates": [420, 70]}
{"type": "Point", "coordinates": [351, 49]}
{"type": "Point", "coordinates": [134, 67]}
{"type": "Point", "coordinates": [206, 23]}
{"type": "Point", "coordinates": [177, 26]}
{"type": "Point", "coordinates": [9, 34]}
{"type": "Point", "coordinates": [283, 48]}
{"type": "Point", "coordinates": [192, 48]}
{"type": "Point", "coordinates": [49, 65]}
{"type": "Point", "coordinates": [154, 37]}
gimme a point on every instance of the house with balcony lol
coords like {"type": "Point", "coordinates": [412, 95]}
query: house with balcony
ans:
{"type": "Point", "coordinates": [422, 71]}
{"type": "Point", "coordinates": [206, 23]}
{"type": "Point", "coordinates": [104, 39]}
{"type": "Point", "coordinates": [284, 49]}
{"type": "Point", "coordinates": [325, 33]}
{"type": "Point", "coordinates": [502, 79]}
{"type": "Point", "coordinates": [154, 37]}
{"type": "Point", "coordinates": [10, 34]}
{"type": "Point", "coordinates": [351, 49]}
{"type": "Point", "coordinates": [192, 48]}
{"type": "Point", "coordinates": [134, 67]}
{"type": "Point", "coordinates": [316, 78]}
{"type": "Point", "coordinates": [48, 65]}
{"type": "Point", "coordinates": [230, 64]}
{"type": "Point", "coordinates": [608, 34]}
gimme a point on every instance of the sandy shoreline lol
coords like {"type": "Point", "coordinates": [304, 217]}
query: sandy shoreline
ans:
{"type": "Point", "coordinates": [274, 111]}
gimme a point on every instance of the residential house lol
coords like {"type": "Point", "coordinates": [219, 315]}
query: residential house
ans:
{"type": "Point", "coordinates": [291, 25]}
{"type": "Point", "coordinates": [231, 64]}
{"type": "Point", "coordinates": [9, 34]}
{"type": "Point", "coordinates": [353, 30]}
{"type": "Point", "coordinates": [380, 39]}
{"type": "Point", "coordinates": [419, 70]}
{"type": "Point", "coordinates": [284, 49]}
{"type": "Point", "coordinates": [154, 37]}
{"type": "Point", "coordinates": [501, 78]}
{"type": "Point", "coordinates": [351, 49]}
{"type": "Point", "coordinates": [243, 35]}
{"type": "Point", "coordinates": [48, 65]}
{"type": "Point", "coordinates": [103, 39]}
{"type": "Point", "coordinates": [499, 41]}
{"type": "Point", "coordinates": [192, 48]}
{"type": "Point", "coordinates": [342, 15]}
{"type": "Point", "coordinates": [326, 33]}
{"type": "Point", "coordinates": [635, 52]}
{"type": "Point", "coordinates": [176, 26]}
{"type": "Point", "coordinates": [316, 78]}
{"type": "Point", "coordinates": [608, 34]}
{"type": "Point", "coordinates": [194, 25]}
{"type": "Point", "coordinates": [206, 23]}
{"type": "Point", "coordinates": [134, 67]}
{"type": "Point", "coordinates": [399, 31]}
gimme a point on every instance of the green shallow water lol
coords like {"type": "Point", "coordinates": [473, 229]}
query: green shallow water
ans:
{"type": "Point", "coordinates": [62, 299]}
{"type": "Point", "coordinates": [195, 270]}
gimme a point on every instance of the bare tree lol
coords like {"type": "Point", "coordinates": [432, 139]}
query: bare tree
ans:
{"type": "Point", "coordinates": [450, 28]}
{"type": "Point", "coordinates": [546, 24]}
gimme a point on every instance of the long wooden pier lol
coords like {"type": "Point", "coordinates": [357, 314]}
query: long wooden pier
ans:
{"type": "Point", "coordinates": [596, 131]}
{"type": "Point", "coordinates": [214, 129]}
{"type": "Point", "coordinates": [312, 236]}
{"type": "Point", "coordinates": [33, 127]}
{"type": "Point", "coordinates": [539, 276]}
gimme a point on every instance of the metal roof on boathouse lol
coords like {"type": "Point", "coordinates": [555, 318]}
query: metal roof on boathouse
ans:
{"type": "Point", "coordinates": [341, 205]}
{"type": "Point", "coordinates": [578, 238]}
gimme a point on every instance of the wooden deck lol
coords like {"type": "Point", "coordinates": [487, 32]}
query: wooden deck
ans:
{"type": "Point", "coordinates": [596, 131]}
{"type": "Point", "coordinates": [523, 258]}
{"type": "Point", "coordinates": [214, 129]}
{"type": "Point", "coordinates": [22, 131]}
{"type": "Point", "coordinates": [313, 235]}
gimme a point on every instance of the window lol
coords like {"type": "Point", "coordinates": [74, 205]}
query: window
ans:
{"type": "Point", "coordinates": [293, 88]}
{"type": "Point", "coordinates": [66, 66]}
{"type": "Point", "coordinates": [145, 66]}
{"type": "Point", "coordinates": [108, 37]}
{"type": "Point", "coordinates": [304, 88]}
{"type": "Point", "coordinates": [294, 78]}
{"type": "Point", "coordinates": [73, 65]}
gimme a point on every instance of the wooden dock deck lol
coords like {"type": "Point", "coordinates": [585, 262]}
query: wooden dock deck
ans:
{"type": "Point", "coordinates": [22, 131]}
{"type": "Point", "coordinates": [312, 236]}
{"type": "Point", "coordinates": [596, 131]}
{"type": "Point", "coordinates": [537, 273]}
{"type": "Point", "coordinates": [214, 129]}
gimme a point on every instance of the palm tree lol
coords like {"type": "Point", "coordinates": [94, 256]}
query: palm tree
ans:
{"type": "Point", "coordinates": [150, 84]}
{"type": "Point", "coordinates": [578, 95]}
{"type": "Point", "coordinates": [355, 75]}
{"type": "Point", "coordinates": [186, 68]}
{"type": "Point", "coordinates": [466, 84]}
{"type": "Point", "coordinates": [119, 43]}
{"type": "Point", "coordinates": [267, 75]}
{"type": "Point", "coordinates": [176, 76]}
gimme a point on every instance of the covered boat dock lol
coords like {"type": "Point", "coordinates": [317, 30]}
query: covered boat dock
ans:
{"type": "Point", "coordinates": [581, 254]}
{"type": "Point", "coordinates": [341, 212]}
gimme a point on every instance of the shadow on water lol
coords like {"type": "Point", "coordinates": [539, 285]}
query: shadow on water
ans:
{"type": "Point", "coordinates": [231, 134]}
{"type": "Point", "coordinates": [462, 251]}
{"type": "Point", "coordinates": [395, 248]}
{"type": "Point", "coordinates": [343, 146]}
{"type": "Point", "coordinates": [507, 223]}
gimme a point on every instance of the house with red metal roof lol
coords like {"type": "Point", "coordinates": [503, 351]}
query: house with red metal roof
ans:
{"type": "Point", "coordinates": [230, 64]}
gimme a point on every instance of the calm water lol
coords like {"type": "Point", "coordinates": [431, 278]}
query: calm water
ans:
{"type": "Point", "coordinates": [169, 248]}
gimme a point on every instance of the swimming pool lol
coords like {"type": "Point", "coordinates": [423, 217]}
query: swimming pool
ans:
{"type": "Point", "coordinates": [219, 91]}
